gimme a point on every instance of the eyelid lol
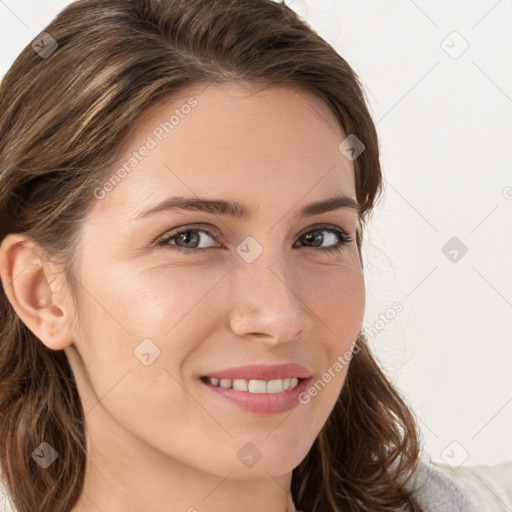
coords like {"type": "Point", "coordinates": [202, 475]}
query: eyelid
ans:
{"type": "Point", "coordinates": [324, 225]}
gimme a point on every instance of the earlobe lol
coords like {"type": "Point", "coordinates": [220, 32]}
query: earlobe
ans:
{"type": "Point", "coordinates": [33, 291]}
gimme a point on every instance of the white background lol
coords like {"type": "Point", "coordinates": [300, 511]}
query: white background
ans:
{"type": "Point", "coordinates": [445, 123]}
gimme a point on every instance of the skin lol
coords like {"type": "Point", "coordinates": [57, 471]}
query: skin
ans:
{"type": "Point", "coordinates": [156, 436]}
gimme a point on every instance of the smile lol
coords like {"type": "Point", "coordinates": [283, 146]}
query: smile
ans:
{"type": "Point", "coordinates": [256, 396]}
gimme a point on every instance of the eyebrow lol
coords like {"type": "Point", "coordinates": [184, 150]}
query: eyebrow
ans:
{"type": "Point", "coordinates": [239, 210]}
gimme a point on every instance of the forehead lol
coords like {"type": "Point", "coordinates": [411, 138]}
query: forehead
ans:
{"type": "Point", "coordinates": [240, 141]}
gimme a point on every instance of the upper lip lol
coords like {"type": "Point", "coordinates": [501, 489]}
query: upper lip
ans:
{"type": "Point", "coordinates": [262, 372]}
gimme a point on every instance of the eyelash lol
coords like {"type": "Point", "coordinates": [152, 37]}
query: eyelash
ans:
{"type": "Point", "coordinates": [335, 249]}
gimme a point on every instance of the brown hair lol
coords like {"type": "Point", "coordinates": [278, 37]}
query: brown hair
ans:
{"type": "Point", "coordinates": [64, 119]}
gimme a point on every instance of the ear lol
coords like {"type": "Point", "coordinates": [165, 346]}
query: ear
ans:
{"type": "Point", "coordinates": [35, 288]}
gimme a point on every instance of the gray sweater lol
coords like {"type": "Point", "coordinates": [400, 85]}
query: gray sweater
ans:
{"type": "Point", "coordinates": [437, 491]}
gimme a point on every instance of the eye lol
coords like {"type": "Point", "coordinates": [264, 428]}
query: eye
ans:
{"type": "Point", "coordinates": [192, 237]}
{"type": "Point", "coordinates": [183, 236]}
{"type": "Point", "coordinates": [337, 235]}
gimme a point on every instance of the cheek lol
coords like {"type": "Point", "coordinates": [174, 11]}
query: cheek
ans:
{"type": "Point", "coordinates": [134, 303]}
{"type": "Point", "coordinates": [338, 304]}
{"type": "Point", "coordinates": [127, 313]}
{"type": "Point", "coordinates": [337, 299]}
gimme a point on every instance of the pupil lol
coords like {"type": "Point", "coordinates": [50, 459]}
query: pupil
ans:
{"type": "Point", "coordinates": [311, 237]}
{"type": "Point", "coordinates": [185, 237]}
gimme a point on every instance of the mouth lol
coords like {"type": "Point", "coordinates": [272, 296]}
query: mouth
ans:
{"type": "Point", "coordinates": [257, 396]}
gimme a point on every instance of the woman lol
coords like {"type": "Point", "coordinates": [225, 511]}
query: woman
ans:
{"type": "Point", "coordinates": [144, 370]}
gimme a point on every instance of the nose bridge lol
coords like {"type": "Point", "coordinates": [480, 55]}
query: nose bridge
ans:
{"type": "Point", "coordinates": [265, 266]}
{"type": "Point", "coordinates": [266, 298]}
{"type": "Point", "coordinates": [269, 279]}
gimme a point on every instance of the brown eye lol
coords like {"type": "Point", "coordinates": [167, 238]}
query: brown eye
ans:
{"type": "Point", "coordinates": [316, 238]}
{"type": "Point", "coordinates": [189, 237]}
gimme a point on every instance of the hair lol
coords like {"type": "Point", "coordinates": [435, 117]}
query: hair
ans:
{"type": "Point", "coordinates": [64, 120]}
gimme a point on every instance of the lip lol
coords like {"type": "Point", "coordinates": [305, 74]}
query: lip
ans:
{"type": "Point", "coordinates": [262, 372]}
{"type": "Point", "coordinates": [260, 403]}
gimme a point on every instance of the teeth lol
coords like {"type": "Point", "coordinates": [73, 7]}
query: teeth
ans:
{"type": "Point", "coordinates": [256, 386]}
{"type": "Point", "coordinates": [240, 385]}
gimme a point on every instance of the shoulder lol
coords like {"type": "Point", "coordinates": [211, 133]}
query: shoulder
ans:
{"type": "Point", "coordinates": [489, 487]}
{"type": "Point", "coordinates": [438, 491]}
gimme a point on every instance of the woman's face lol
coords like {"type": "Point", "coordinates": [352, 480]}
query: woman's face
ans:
{"type": "Point", "coordinates": [256, 290]}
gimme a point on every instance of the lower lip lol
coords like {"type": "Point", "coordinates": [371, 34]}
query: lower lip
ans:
{"type": "Point", "coordinates": [261, 403]}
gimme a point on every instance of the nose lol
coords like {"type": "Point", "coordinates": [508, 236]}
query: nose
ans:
{"type": "Point", "coordinates": [268, 303]}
